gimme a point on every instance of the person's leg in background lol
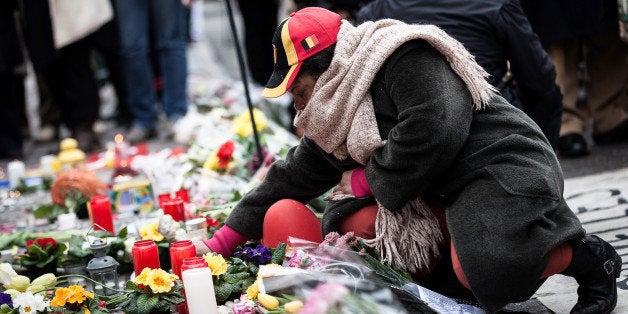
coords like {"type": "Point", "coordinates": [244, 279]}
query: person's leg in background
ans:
{"type": "Point", "coordinates": [106, 41]}
{"type": "Point", "coordinates": [10, 137]}
{"type": "Point", "coordinates": [133, 27]}
{"type": "Point", "coordinates": [564, 55]}
{"type": "Point", "coordinates": [169, 24]}
{"type": "Point", "coordinates": [73, 86]}
{"type": "Point", "coordinates": [606, 59]}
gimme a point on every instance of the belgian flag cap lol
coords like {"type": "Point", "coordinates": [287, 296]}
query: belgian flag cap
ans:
{"type": "Point", "coordinates": [298, 37]}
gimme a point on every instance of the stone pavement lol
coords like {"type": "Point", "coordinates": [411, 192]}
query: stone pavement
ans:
{"type": "Point", "coordinates": [596, 185]}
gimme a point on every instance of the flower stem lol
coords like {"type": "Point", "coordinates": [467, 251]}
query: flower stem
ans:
{"type": "Point", "coordinates": [92, 280]}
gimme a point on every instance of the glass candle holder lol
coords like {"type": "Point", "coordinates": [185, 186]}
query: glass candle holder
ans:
{"type": "Point", "coordinates": [193, 262]}
{"type": "Point", "coordinates": [199, 294]}
{"type": "Point", "coordinates": [179, 251]}
{"type": "Point", "coordinates": [145, 254]}
{"type": "Point", "coordinates": [190, 263]}
{"type": "Point", "coordinates": [99, 210]}
{"type": "Point", "coordinates": [174, 208]}
{"type": "Point", "coordinates": [197, 228]}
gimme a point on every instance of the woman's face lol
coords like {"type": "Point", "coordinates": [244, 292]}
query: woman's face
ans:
{"type": "Point", "coordinates": [301, 90]}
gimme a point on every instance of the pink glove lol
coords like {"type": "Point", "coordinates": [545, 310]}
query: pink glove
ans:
{"type": "Point", "coordinates": [223, 242]}
{"type": "Point", "coordinates": [359, 185]}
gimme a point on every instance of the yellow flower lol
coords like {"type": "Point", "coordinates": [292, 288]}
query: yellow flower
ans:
{"type": "Point", "coordinates": [293, 306]}
{"type": "Point", "coordinates": [78, 294]}
{"type": "Point", "coordinates": [61, 297]}
{"type": "Point", "coordinates": [160, 281]}
{"type": "Point", "coordinates": [142, 278]}
{"type": "Point", "coordinates": [150, 232]}
{"type": "Point", "coordinates": [267, 301]}
{"type": "Point", "coordinates": [242, 123]}
{"type": "Point", "coordinates": [216, 263]}
{"type": "Point", "coordinates": [212, 162]}
{"type": "Point", "coordinates": [252, 290]}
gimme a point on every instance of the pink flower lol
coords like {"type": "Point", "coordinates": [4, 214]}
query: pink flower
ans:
{"type": "Point", "coordinates": [324, 297]}
{"type": "Point", "coordinates": [244, 306]}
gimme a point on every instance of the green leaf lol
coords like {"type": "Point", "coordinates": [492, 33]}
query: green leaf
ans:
{"type": "Point", "coordinates": [278, 254]}
{"type": "Point", "coordinates": [123, 233]}
{"type": "Point", "coordinates": [146, 302]}
{"type": "Point", "coordinates": [233, 278]}
{"type": "Point", "coordinates": [223, 292]}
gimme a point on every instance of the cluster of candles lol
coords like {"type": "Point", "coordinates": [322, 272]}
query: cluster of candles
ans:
{"type": "Point", "coordinates": [193, 270]}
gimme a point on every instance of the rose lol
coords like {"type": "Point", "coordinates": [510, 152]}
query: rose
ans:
{"type": "Point", "coordinates": [225, 154]}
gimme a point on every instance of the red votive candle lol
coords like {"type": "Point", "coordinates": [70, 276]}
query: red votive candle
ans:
{"type": "Point", "coordinates": [193, 262]}
{"type": "Point", "coordinates": [100, 213]}
{"type": "Point", "coordinates": [174, 208]}
{"type": "Point", "coordinates": [189, 263]}
{"type": "Point", "coordinates": [145, 254]}
{"type": "Point", "coordinates": [179, 251]}
{"type": "Point", "coordinates": [183, 195]}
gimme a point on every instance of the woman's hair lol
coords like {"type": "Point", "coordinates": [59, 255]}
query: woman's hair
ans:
{"type": "Point", "coordinates": [318, 63]}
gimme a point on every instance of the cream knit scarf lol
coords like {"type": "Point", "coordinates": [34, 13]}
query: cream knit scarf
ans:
{"type": "Point", "coordinates": [340, 118]}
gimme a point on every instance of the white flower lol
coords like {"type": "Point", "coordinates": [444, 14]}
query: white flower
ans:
{"type": "Point", "coordinates": [29, 303]}
{"type": "Point", "coordinates": [6, 273]}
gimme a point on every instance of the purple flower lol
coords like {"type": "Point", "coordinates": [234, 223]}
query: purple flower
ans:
{"type": "Point", "coordinates": [5, 298]}
{"type": "Point", "coordinates": [259, 255]}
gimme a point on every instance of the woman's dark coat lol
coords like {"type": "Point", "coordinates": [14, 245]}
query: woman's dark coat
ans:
{"type": "Point", "coordinates": [492, 169]}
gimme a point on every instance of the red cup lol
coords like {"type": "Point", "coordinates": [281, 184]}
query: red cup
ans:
{"type": "Point", "coordinates": [179, 251]}
{"type": "Point", "coordinates": [100, 213]}
{"type": "Point", "coordinates": [145, 254]}
{"type": "Point", "coordinates": [174, 208]}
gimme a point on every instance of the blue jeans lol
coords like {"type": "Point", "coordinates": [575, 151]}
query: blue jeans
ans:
{"type": "Point", "coordinates": [153, 27]}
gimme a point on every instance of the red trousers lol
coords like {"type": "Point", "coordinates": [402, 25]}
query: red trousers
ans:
{"type": "Point", "coordinates": [291, 218]}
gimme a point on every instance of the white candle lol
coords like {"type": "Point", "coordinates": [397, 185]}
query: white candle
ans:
{"type": "Point", "coordinates": [15, 170]}
{"type": "Point", "coordinates": [199, 291]}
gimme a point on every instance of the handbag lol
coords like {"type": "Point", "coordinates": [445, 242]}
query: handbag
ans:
{"type": "Point", "coordinates": [73, 20]}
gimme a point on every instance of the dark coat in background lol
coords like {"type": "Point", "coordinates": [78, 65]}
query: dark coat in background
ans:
{"type": "Point", "coordinates": [559, 20]}
{"type": "Point", "coordinates": [498, 34]}
{"type": "Point", "coordinates": [493, 170]}
{"type": "Point", "coordinates": [11, 85]}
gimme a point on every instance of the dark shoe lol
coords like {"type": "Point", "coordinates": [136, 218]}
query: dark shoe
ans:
{"type": "Point", "coordinates": [139, 134]}
{"type": "Point", "coordinates": [595, 265]}
{"type": "Point", "coordinates": [87, 140]}
{"type": "Point", "coordinates": [616, 135]}
{"type": "Point", "coordinates": [572, 145]}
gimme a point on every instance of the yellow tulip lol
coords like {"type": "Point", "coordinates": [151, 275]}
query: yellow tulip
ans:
{"type": "Point", "coordinates": [293, 306]}
{"type": "Point", "coordinates": [19, 283]}
{"type": "Point", "coordinates": [46, 280]}
{"type": "Point", "coordinates": [267, 301]}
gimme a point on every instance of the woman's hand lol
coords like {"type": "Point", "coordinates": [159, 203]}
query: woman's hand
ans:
{"type": "Point", "coordinates": [344, 187]}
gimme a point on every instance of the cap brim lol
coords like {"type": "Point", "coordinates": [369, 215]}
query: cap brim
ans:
{"type": "Point", "coordinates": [280, 81]}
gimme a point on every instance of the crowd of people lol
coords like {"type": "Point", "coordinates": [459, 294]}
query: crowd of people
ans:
{"type": "Point", "coordinates": [141, 45]}
{"type": "Point", "coordinates": [444, 118]}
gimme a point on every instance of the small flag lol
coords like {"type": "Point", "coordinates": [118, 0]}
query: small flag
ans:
{"type": "Point", "coordinates": [309, 42]}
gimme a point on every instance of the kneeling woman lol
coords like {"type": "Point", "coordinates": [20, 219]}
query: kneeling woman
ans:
{"type": "Point", "coordinates": [397, 115]}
